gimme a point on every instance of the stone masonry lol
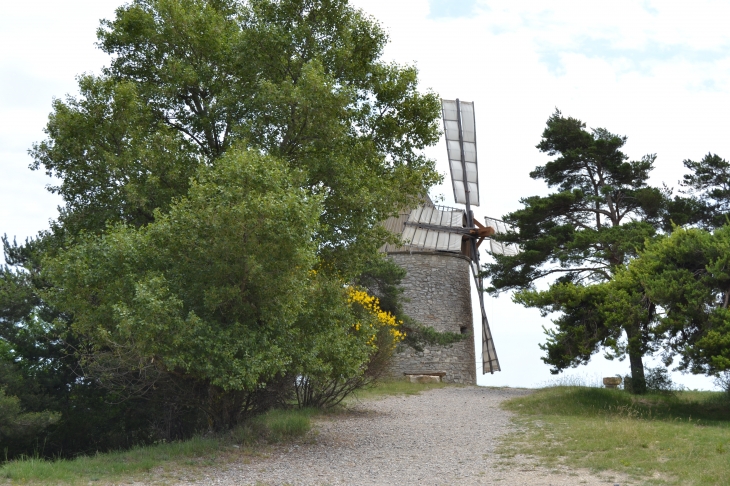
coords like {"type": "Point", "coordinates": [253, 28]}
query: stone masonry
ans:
{"type": "Point", "coordinates": [437, 290]}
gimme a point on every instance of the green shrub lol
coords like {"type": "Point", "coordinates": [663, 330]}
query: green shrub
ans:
{"type": "Point", "coordinates": [274, 426]}
{"type": "Point", "coordinates": [18, 426]}
{"type": "Point", "coordinates": [657, 380]}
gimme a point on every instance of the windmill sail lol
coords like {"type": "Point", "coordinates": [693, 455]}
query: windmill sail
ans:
{"type": "Point", "coordinates": [490, 362]}
{"type": "Point", "coordinates": [509, 249]}
{"type": "Point", "coordinates": [461, 145]}
{"type": "Point", "coordinates": [426, 228]}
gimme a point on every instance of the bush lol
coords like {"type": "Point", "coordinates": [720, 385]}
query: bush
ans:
{"type": "Point", "coordinates": [657, 380]}
{"type": "Point", "coordinates": [17, 426]}
{"type": "Point", "coordinates": [274, 426]}
{"type": "Point", "coordinates": [371, 339]}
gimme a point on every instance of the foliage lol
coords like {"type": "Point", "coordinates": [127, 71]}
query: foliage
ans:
{"type": "Point", "coordinates": [19, 426]}
{"type": "Point", "coordinates": [577, 238]}
{"type": "Point", "coordinates": [686, 276]}
{"type": "Point", "coordinates": [33, 362]}
{"type": "Point", "coordinates": [648, 438]}
{"type": "Point", "coordinates": [671, 295]}
{"type": "Point", "coordinates": [297, 79]}
{"type": "Point", "coordinates": [38, 366]}
{"type": "Point", "coordinates": [417, 335]}
{"type": "Point", "coordinates": [376, 328]}
{"type": "Point", "coordinates": [722, 381]}
{"type": "Point", "coordinates": [601, 212]}
{"type": "Point", "coordinates": [115, 162]}
{"type": "Point", "coordinates": [597, 315]}
{"type": "Point", "coordinates": [161, 303]}
{"type": "Point", "coordinates": [708, 186]}
{"type": "Point", "coordinates": [382, 278]}
{"type": "Point", "coordinates": [373, 319]}
{"type": "Point", "coordinates": [199, 292]}
{"type": "Point", "coordinates": [657, 380]}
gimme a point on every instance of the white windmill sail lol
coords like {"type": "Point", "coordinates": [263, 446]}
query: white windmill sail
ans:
{"type": "Point", "coordinates": [425, 226]}
{"type": "Point", "coordinates": [509, 249]}
{"type": "Point", "coordinates": [462, 149]}
{"type": "Point", "coordinates": [461, 145]}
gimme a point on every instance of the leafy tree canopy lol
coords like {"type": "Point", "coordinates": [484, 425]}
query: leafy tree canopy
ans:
{"type": "Point", "coordinates": [297, 79]}
{"type": "Point", "coordinates": [708, 187]}
{"type": "Point", "coordinates": [115, 161]}
{"type": "Point", "coordinates": [203, 288]}
{"type": "Point", "coordinates": [229, 148]}
{"type": "Point", "coordinates": [220, 290]}
{"type": "Point", "coordinates": [686, 276]}
{"type": "Point", "coordinates": [577, 238]}
{"type": "Point", "coordinates": [602, 210]}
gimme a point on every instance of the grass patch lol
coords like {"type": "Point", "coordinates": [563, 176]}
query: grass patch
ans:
{"type": "Point", "coordinates": [275, 426]}
{"type": "Point", "coordinates": [112, 466]}
{"type": "Point", "coordinates": [678, 438]}
{"type": "Point", "coordinates": [175, 458]}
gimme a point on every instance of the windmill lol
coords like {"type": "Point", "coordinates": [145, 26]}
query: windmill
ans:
{"type": "Point", "coordinates": [431, 230]}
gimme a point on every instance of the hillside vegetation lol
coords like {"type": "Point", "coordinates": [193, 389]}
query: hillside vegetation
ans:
{"type": "Point", "coordinates": [658, 438]}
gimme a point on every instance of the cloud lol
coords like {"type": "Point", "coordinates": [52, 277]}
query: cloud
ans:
{"type": "Point", "coordinates": [650, 53]}
{"type": "Point", "coordinates": [552, 58]}
{"type": "Point", "coordinates": [440, 9]}
{"type": "Point", "coordinates": [647, 6]}
{"type": "Point", "coordinates": [640, 59]}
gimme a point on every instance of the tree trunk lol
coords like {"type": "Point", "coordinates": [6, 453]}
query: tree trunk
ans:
{"type": "Point", "coordinates": [638, 380]}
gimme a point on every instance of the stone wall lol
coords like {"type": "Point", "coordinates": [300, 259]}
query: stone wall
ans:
{"type": "Point", "coordinates": [438, 289]}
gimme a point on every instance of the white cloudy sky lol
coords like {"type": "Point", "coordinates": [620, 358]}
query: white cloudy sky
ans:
{"type": "Point", "coordinates": [655, 71]}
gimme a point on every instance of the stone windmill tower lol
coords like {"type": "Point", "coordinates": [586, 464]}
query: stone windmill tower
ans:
{"type": "Point", "coordinates": [439, 252]}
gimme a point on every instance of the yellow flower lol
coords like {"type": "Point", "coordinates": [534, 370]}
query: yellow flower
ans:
{"type": "Point", "coordinates": [372, 306]}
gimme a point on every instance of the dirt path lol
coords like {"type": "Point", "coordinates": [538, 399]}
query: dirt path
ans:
{"type": "Point", "coordinates": [443, 436]}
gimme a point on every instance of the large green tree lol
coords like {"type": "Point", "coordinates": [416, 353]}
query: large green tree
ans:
{"type": "Point", "coordinates": [301, 80]}
{"type": "Point", "coordinates": [302, 84]}
{"type": "Point", "coordinates": [579, 236]}
{"type": "Point", "coordinates": [687, 277]}
{"type": "Point", "coordinates": [217, 290]}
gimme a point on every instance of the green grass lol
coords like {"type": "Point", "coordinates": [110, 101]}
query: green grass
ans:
{"type": "Point", "coordinates": [113, 465]}
{"type": "Point", "coordinates": [275, 426]}
{"type": "Point", "coordinates": [681, 438]}
{"type": "Point", "coordinates": [167, 459]}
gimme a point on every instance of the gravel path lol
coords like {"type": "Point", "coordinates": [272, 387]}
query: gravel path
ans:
{"type": "Point", "coordinates": [443, 436]}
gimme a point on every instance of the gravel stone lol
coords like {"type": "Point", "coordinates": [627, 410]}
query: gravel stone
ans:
{"type": "Point", "coordinates": [442, 436]}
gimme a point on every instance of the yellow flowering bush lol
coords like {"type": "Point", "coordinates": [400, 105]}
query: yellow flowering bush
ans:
{"type": "Point", "coordinates": [381, 328]}
{"type": "Point", "coordinates": [350, 341]}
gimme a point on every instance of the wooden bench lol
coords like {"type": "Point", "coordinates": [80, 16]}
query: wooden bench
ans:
{"type": "Point", "coordinates": [424, 376]}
